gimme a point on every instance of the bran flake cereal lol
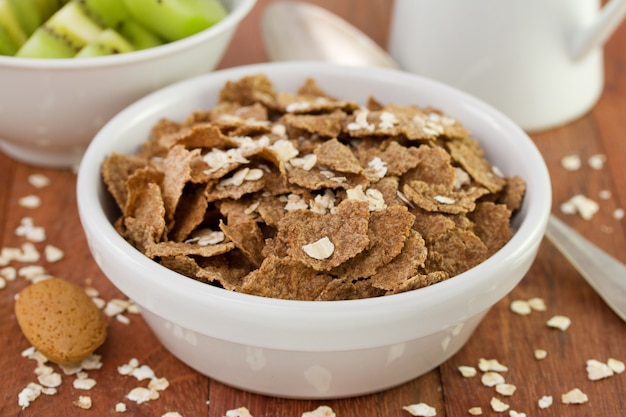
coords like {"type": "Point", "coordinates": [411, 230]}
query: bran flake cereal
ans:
{"type": "Point", "coordinates": [314, 197]}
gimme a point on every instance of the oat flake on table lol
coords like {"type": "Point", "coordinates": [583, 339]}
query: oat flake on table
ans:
{"type": "Point", "coordinates": [421, 410]}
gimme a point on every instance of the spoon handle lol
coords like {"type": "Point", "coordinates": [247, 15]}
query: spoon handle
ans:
{"type": "Point", "coordinates": [604, 273]}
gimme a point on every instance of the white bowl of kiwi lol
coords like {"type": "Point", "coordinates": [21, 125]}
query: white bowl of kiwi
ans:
{"type": "Point", "coordinates": [68, 66]}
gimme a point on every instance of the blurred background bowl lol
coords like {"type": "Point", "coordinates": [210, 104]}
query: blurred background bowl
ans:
{"type": "Point", "coordinates": [50, 109]}
{"type": "Point", "coordinates": [304, 349]}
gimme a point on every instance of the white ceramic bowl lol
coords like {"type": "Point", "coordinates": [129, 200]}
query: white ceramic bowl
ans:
{"type": "Point", "coordinates": [302, 349]}
{"type": "Point", "coordinates": [51, 108]}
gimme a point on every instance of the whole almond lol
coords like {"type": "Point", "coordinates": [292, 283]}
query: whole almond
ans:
{"type": "Point", "coordinates": [60, 320]}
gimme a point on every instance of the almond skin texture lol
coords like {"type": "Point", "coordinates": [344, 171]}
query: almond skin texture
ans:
{"type": "Point", "coordinates": [60, 320]}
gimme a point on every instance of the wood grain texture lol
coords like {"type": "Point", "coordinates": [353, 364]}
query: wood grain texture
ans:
{"type": "Point", "coordinates": [595, 331]}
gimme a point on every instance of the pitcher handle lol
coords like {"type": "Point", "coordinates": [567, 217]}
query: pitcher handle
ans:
{"type": "Point", "coordinates": [589, 38]}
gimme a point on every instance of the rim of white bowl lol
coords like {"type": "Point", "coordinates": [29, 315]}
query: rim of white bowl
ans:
{"type": "Point", "coordinates": [254, 310]}
{"type": "Point", "coordinates": [241, 8]}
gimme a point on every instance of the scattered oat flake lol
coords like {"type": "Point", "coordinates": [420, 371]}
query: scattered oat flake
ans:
{"type": "Point", "coordinates": [43, 369]}
{"type": "Point", "coordinates": [582, 205]}
{"type": "Point", "coordinates": [238, 412]}
{"type": "Point", "coordinates": [128, 368]}
{"type": "Point", "coordinates": [31, 232]}
{"type": "Point", "coordinates": [122, 319]}
{"type": "Point", "coordinates": [84, 383]}
{"type": "Point", "coordinates": [114, 307]}
{"type": "Point", "coordinates": [27, 253]}
{"type": "Point", "coordinates": [475, 411]}
{"type": "Point", "coordinates": [143, 372]}
{"type": "Point", "coordinates": [571, 162]}
{"type": "Point", "coordinates": [575, 396]}
{"type": "Point", "coordinates": [540, 354]}
{"type": "Point", "coordinates": [513, 413]}
{"type": "Point", "coordinates": [467, 371]}
{"type": "Point", "coordinates": [120, 408]}
{"type": "Point", "coordinates": [133, 308]}
{"type": "Point", "coordinates": [616, 365]}
{"type": "Point", "coordinates": [159, 384]}
{"type": "Point", "coordinates": [30, 201]}
{"type": "Point", "coordinates": [172, 414]}
{"type": "Point", "coordinates": [597, 370]}
{"type": "Point", "coordinates": [141, 395]}
{"type": "Point", "coordinates": [83, 402]}
{"type": "Point", "coordinates": [9, 273]}
{"type": "Point", "coordinates": [320, 249]}
{"type": "Point", "coordinates": [559, 322]}
{"type": "Point", "coordinates": [545, 401]}
{"type": "Point", "coordinates": [604, 194]}
{"type": "Point", "coordinates": [321, 411]}
{"type": "Point", "coordinates": [618, 214]}
{"type": "Point", "coordinates": [421, 409]}
{"type": "Point", "coordinates": [486, 365]}
{"type": "Point", "coordinates": [92, 292]}
{"type": "Point", "coordinates": [53, 254]}
{"type": "Point", "coordinates": [505, 389]}
{"type": "Point", "coordinates": [91, 362]}
{"type": "Point", "coordinates": [497, 405]}
{"type": "Point", "coordinates": [520, 307]}
{"type": "Point", "coordinates": [29, 394]}
{"type": "Point", "coordinates": [38, 180]}
{"type": "Point", "coordinates": [99, 302]}
{"type": "Point", "coordinates": [537, 304]}
{"type": "Point", "coordinates": [52, 380]}
{"type": "Point", "coordinates": [597, 161]}
{"type": "Point", "coordinates": [490, 379]}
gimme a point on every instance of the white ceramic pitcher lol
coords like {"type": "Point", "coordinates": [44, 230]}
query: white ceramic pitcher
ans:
{"type": "Point", "coordinates": [538, 61]}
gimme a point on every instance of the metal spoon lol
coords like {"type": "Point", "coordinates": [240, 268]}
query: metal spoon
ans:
{"type": "Point", "coordinates": [295, 31]}
{"type": "Point", "coordinates": [300, 31]}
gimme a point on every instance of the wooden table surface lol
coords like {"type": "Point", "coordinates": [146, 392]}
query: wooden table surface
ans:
{"type": "Point", "coordinates": [595, 333]}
